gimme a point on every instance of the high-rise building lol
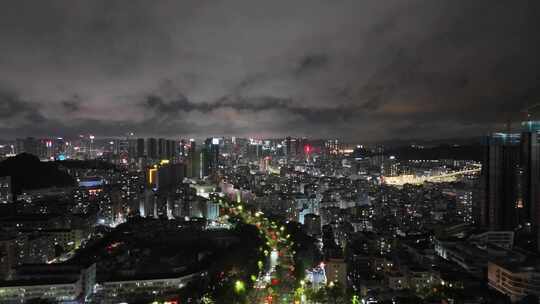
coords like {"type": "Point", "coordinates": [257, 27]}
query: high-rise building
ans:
{"type": "Point", "coordinates": [290, 147]}
{"type": "Point", "coordinates": [165, 177]}
{"type": "Point", "coordinates": [29, 145]}
{"type": "Point", "coordinates": [529, 173]}
{"type": "Point", "coordinates": [500, 175]}
{"type": "Point", "coordinates": [48, 149]}
{"type": "Point", "coordinates": [377, 159]}
{"type": "Point", "coordinates": [161, 148]}
{"type": "Point", "coordinates": [123, 146]}
{"type": "Point", "coordinates": [302, 147]}
{"type": "Point", "coordinates": [172, 149]}
{"type": "Point", "coordinates": [140, 148]}
{"type": "Point", "coordinates": [210, 155]}
{"type": "Point", "coordinates": [511, 181]}
{"type": "Point", "coordinates": [132, 149]}
{"type": "Point", "coordinates": [183, 148]}
{"type": "Point", "coordinates": [169, 145]}
{"type": "Point", "coordinates": [151, 148]}
{"type": "Point", "coordinates": [193, 160]}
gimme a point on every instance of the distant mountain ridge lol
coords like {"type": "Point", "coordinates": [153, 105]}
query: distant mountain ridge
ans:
{"type": "Point", "coordinates": [458, 152]}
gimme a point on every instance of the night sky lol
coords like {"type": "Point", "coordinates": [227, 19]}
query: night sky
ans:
{"type": "Point", "coordinates": [359, 70]}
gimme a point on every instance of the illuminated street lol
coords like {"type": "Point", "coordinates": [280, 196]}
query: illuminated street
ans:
{"type": "Point", "coordinates": [275, 281]}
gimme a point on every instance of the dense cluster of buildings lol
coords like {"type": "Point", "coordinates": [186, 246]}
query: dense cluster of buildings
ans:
{"type": "Point", "coordinates": [386, 228]}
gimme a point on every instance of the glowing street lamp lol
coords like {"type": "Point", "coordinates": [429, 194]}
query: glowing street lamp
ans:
{"type": "Point", "coordinates": [239, 286]}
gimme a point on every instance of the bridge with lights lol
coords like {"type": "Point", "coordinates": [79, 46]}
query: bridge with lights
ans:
{"type": "Point", "coordinates": [418, 180]}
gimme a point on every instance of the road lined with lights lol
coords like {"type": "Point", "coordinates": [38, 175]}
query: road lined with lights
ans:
{"type": "Point", "coordinates": [276, 283]}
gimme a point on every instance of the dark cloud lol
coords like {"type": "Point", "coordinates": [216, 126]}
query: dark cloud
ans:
{"type": "Point", "coordinates": [312, 62]}
{"type": "Point", "coordinates": [248, 105]}
{"type": "Point", "coordinates": [72, 105]}
{"type": "Point", "coordinates": [361, 70]}
{"type": "Point", "coordinates": [11, 106]}
{"type": "Point", "coordinates": [14, 109]}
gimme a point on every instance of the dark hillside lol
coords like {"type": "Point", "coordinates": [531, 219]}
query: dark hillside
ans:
{"type": "Point", "coordinates": [28, 172]}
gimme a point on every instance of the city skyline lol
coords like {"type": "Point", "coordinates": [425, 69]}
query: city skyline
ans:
{"type": "Point", "coordinates": [250, 152]}
{"type": "Point", "coordinates": [360, 71]}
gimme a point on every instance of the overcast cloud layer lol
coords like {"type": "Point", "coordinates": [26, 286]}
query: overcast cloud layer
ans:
{"type": "Point", "coordinates": [359, 70]}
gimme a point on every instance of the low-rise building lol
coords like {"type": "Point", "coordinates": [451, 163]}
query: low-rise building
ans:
{"type": "Point", "coordinates": [504, 239]}
{"type": "Point", "coordinates": [59, 283]}
{"type": "Point", "coordinates": [514, 279]}
{"type": "Point", "coordinates": [121, 290]}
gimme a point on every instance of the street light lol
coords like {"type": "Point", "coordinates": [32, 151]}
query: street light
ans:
{"type": "Point", "coordinates": [239, 286]}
